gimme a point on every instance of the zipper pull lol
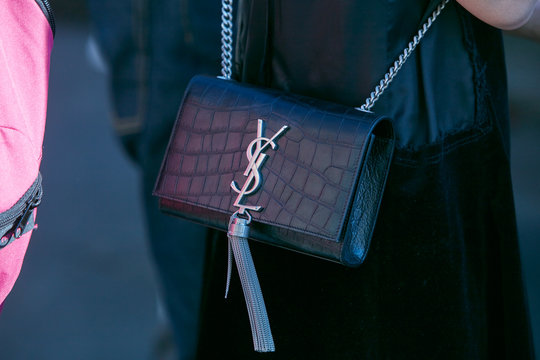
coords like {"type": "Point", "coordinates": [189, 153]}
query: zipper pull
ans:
{"type": "Point", "coordinates": [260, 325]}
{"type": "Point", "coordinates": [32, 204]}
{"type": "Point", "coordinates": [22, 223]}
{"type": "Point", "coordinates": [18, 230]}
{"type": "Point", "coordinates": [18, 218]}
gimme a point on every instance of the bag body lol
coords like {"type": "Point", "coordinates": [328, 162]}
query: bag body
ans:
{"type": "Point", "coordinates": [320, 187]}
{"type": "Point", "coordinates": [25, 47]}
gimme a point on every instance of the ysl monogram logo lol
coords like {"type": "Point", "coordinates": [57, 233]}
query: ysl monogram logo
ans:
{"type": "Point", "coordinates": [256, 157]}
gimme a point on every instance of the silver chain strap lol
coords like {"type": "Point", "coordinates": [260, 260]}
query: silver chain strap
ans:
{"type": "Point", "coordinates": [226, 38]}
{"type": "Point", "coordinates": [392, 72]}
{"type": "Point", "coordinates": [227, 42]}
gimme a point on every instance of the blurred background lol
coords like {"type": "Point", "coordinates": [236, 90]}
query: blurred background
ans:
{"type": "Point", "coordinates": [87, 289]}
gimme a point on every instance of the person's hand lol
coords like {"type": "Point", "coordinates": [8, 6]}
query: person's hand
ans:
{"type": "Point", "coordinates": [531, 29]}
{"type": "Point", "coordinates": [503, 14]}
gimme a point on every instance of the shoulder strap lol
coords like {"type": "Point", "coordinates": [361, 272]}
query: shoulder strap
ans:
{"type": "Point", "coordinates": [396, 66]}
{"type": "Point", "coordinates": [430, 8]}
{"type": "Point", "coordinates": [431, 15]}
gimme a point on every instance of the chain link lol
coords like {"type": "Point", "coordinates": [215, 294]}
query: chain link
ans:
{"type": "Point", "coordinates": [226, 38]}
{"type": "Point", "coordinates": [392, 72]}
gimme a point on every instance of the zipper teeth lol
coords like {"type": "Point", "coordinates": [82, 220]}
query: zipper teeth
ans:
{"type": "Point", "coordinates": [19, 208]}
{"type": "Point", "coordinates": [49, 14]}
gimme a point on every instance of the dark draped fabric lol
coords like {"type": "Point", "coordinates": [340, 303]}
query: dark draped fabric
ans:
{"type": "Point", "coordinates": [442, 279]}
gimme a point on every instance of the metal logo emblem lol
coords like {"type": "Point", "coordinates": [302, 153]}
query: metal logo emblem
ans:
{"type": "Point", "coordinates": [256, 157]}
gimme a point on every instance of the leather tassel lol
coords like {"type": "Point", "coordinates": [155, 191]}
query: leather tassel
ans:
{"type": "Point", "coordinates": [258, 317]}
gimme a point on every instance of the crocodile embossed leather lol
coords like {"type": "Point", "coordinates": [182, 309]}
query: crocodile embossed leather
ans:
{"type": "Point", "coordinates": [320, 189]}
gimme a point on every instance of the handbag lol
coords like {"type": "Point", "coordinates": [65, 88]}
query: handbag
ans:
{"type": "Point", "coordinates": [287, 170]}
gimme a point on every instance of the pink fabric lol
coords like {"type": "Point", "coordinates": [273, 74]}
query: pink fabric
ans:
{"type": "Point", "coordinates": [25, 46]}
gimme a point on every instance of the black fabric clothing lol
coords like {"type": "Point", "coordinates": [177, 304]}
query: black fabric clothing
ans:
{"type": "Point", "coordinates": [442, 279]}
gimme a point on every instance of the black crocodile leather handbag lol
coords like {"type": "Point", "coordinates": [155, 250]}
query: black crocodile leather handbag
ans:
{"type": "Point", "coordinates": [309, 174]}
{"type": "Point", "coordinates": [287, 170]}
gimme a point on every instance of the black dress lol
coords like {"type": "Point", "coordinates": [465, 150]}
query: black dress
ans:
{"type": "Point", "coordinates": [442, 279]}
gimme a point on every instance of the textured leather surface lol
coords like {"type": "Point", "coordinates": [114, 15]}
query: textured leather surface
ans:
{"type": "Point", "coordinates": [309, 181]}
{"type": "Point", "coordinates": [369, 191]}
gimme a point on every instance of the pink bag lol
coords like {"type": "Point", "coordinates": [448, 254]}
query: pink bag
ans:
{"type": "Point", "coordinates": [26, 41]}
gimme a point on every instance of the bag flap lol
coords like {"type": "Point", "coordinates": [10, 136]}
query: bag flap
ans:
{"type": "Point", "coordinates": [307, 182]}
